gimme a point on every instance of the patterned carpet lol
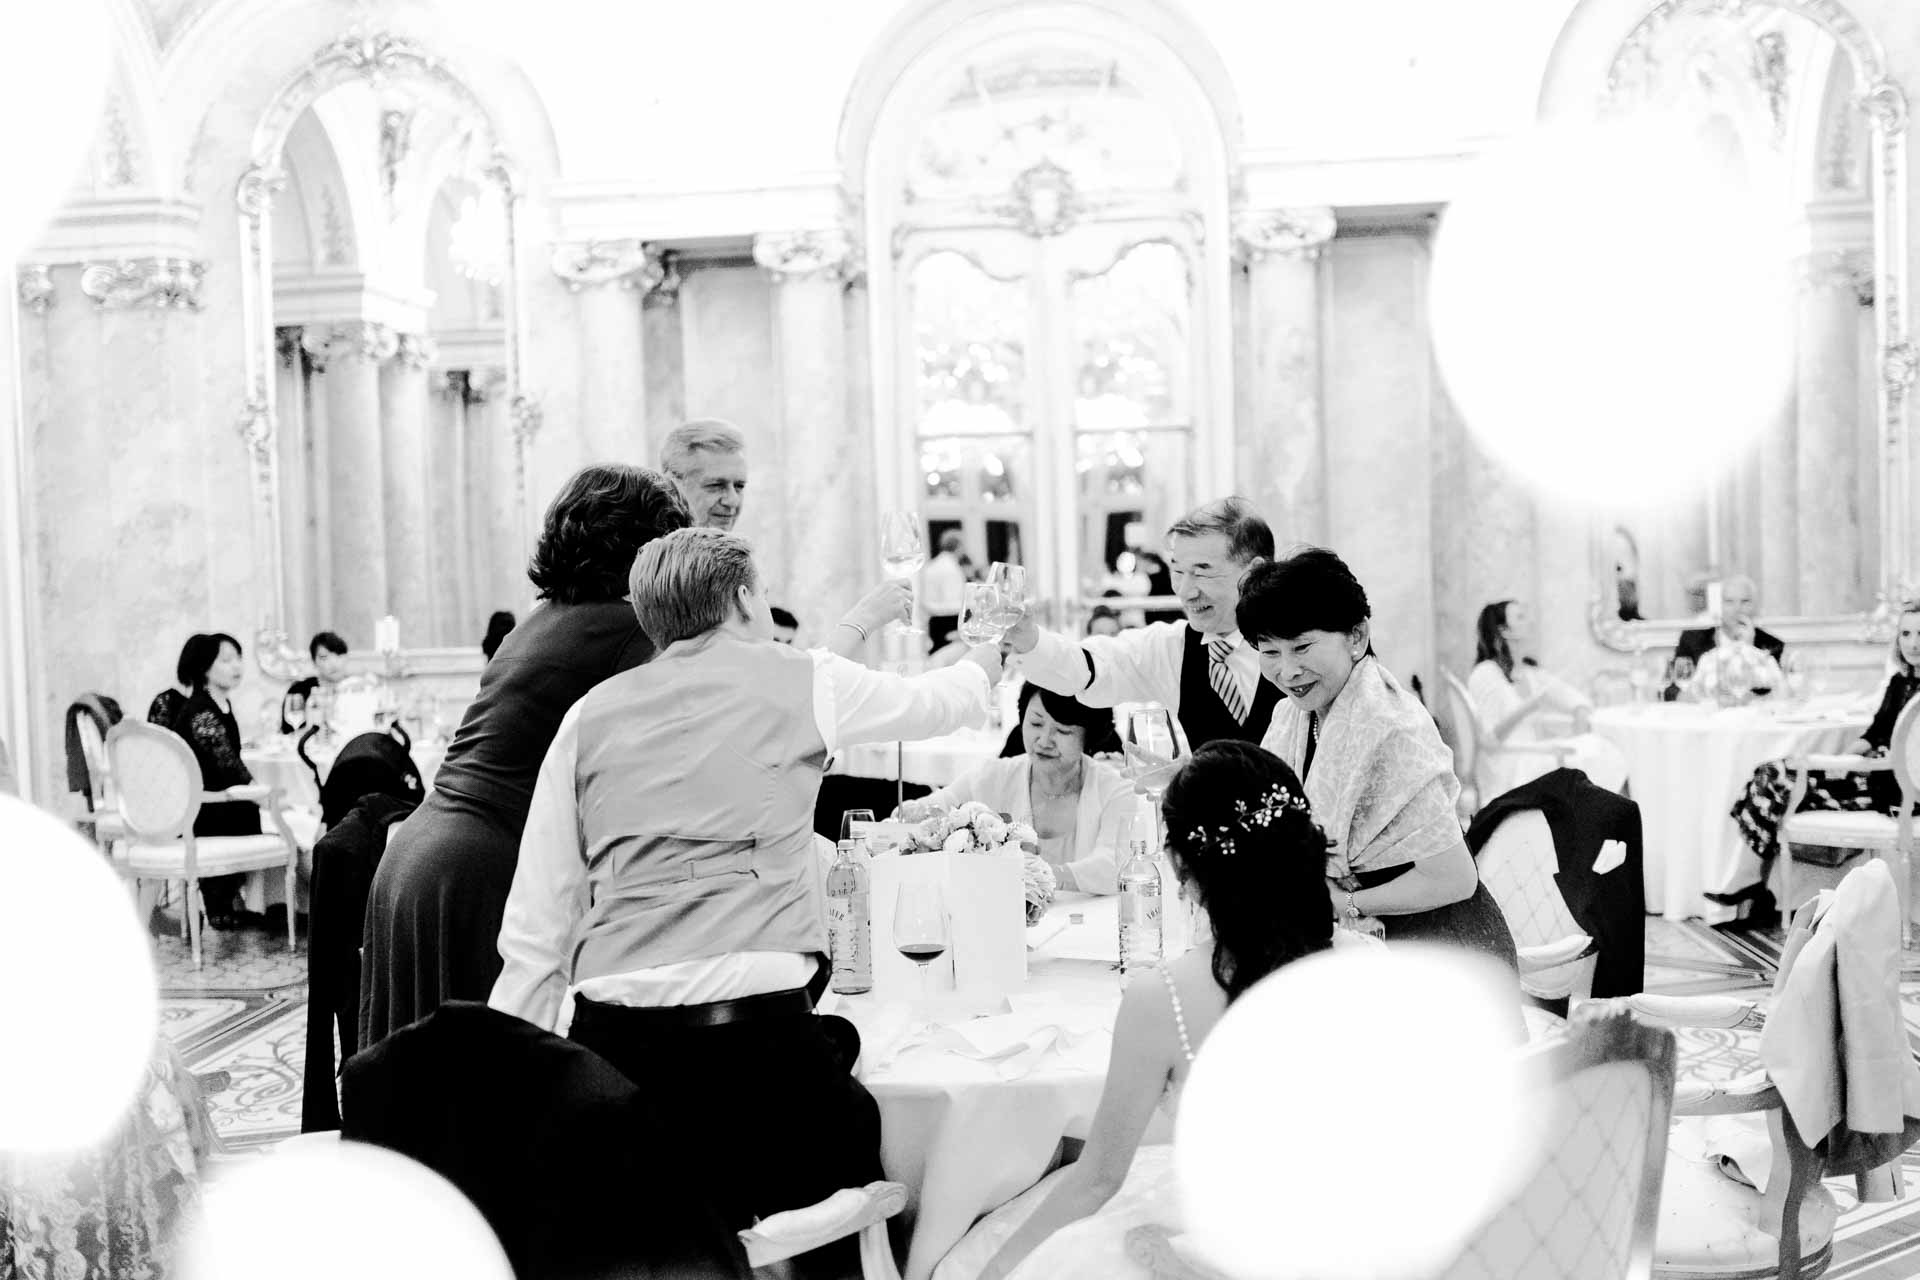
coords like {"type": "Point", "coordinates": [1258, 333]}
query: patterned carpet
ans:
{"type": "Point", "coordinates": [244, 1013]}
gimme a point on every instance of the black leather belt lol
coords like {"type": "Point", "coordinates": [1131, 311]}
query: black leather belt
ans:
{"type": "Point", "coordinates": [773, 1004]}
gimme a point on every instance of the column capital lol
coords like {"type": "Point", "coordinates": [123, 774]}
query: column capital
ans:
{"type": "Point", "coordinates": [161, 283]}
{"type": "Point", "coordinates": [415, 350]}
{"type": "Point", "coordinates": [1260, 234]}
{"type": "Point", "coordinates": [527, 416]}
{"type": "Point", "coordinates": [485, 384]}
{"type": "Point", "coordinates": [1900, 366]}
{"type": "Point", "coordinates": [804, 255]}
{"type": "Point", "coordinates": [1843, 269]}
{"type": "Point", "coordinates": [593, 263]}
{"type": "Point", "coordinates": [34, 284]}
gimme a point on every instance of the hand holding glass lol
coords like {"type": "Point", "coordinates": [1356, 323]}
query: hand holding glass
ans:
{"type": "Point", "coordinates": [1009, 583]}
{"type": "Point", "coordinates": [979, 606]}
{"type": "Point", "coordinates": [903, 550]}
{"type": "Point", "coordinates": [1152, 749]}
{"type": "Point", "coordinates": [920, 925]}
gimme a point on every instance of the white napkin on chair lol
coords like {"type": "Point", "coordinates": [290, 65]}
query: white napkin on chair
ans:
{"type": "Point", "coordinates": [1612, 854]}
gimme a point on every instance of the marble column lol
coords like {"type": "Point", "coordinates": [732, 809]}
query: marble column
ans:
{"type": "Point", "coordinates": [1833, 288]}
{"type": "Point", "coordinates": [291, 433]}
{"type": "Point", "coordinates": [404, 478]}
{"type": "Point", "coordinates": [449, 547]}
{"type": "Point", "coordinates": [610, 280]}
{"type": "Point", "coordinates": [356, 471]}
{"type": "Point", "coordinates": [817, 485]}
{"type": "Point", "coordinates": [490, 427]}
{"type": "Point", "coordinates": [665, 344]}
{"type": "Point", "coordinates": [1281, 456]}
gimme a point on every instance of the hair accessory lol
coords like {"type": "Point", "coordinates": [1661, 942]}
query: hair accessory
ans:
{"type": "Point", "coordinates": [1248, 818]}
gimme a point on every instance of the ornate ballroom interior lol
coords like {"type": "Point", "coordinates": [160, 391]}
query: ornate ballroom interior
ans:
{"type": "Point", "coordinates": [317, 304]}
{"type": "Point", "coordinates": [341, 291]}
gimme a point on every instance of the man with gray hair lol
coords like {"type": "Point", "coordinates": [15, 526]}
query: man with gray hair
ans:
{"type": "Point", "coordinates": [1200, 669]}
{"type": "Point", "coordinates": [668, 910]}
{"type": "Point", "coordinates": [707, 459]}
{"type": "Point", "coordinates": [1739, 602]}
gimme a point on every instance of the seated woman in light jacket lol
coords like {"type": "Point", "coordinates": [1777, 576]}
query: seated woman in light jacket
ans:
{"type": "Point", "coordinates": [1518, 700]}
{"type": "Point", "coordinates": [1075, 803]}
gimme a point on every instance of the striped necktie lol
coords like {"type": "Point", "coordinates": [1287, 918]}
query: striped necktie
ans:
{"type": "Point", "coordinates": [1224, 682]}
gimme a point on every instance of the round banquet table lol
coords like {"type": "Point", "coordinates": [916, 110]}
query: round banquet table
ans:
{"type": "Point", "coordinates": [275, 763]}
{"type": "Point", "coordinates": [973, 1108]}
{"type": "Point", "coordinates": [1687, 763]}
{"type": "Point", "coordinates": [934, 762]}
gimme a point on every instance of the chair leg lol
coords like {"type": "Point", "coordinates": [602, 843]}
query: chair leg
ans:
{"type": "Point", "coordinates": [292, 875]}
{"type": "Point", "coordinates": [1881, 1185]}
{"type": "Point", "coordinates": [192, 913]}
{"type": "Point", "coordinates": [1786, 903]}
{"type": "Point", "coordinates": [186, 906]}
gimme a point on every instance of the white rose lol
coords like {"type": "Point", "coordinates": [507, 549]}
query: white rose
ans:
{"type": "Point", "coordinates": [973, 813]}
{"type": "Point", "coordinates": [960, 841]}
{"type": "Point", "coordinates": [992, 829]}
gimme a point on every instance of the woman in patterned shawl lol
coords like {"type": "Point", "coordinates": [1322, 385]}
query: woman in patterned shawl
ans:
{"type": "Point", "coordinates": [1380, 780]}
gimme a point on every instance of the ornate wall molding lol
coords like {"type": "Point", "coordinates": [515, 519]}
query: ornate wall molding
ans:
{"type": "Point", "coordinates": [34, 284]}
{"type": "Point", "coordinates": [803, 255]}
{"type": "Point", "coordinates": [666, 290]}
{"type": "Point", "coordinates": [117, 167]}
{"type": "Point", "coordinates": [1260, 234]}
{"type": "Point", "coordinates": [1848, 269]}
{"type": "Point", "coordinates": [626, 263]}
{"type": "Point", "coordinates": [356, 340]}
{"type": "Point", "coordinates": [163, 283]}
{"type": "Point", "coordinates": [415, 350]}
{"type": "Point", "coordinates": [527, 417]}
{"type": "Point", "coordinates": [486, 384]}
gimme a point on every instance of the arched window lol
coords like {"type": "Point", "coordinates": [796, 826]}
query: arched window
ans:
{"type": "Point", "coordinates": [1050, 311]}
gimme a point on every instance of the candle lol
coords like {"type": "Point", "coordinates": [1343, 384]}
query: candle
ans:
{"type": "Point", "coordinates": [386, 635]}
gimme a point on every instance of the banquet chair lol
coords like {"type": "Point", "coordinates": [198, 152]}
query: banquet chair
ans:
{"type": "Point", "coordinates": [1588, 1211]}
{"type": "Point", "coordinates": [1474, 748]}
{"type": "Point", "coordinates": [103, 816]}
{"type": "Point", "coordinates": [1517, 864]}
{"type": "Point", "coordinates": [159, 795]}
{"type": "Point", "coordinates": [1891, 836]}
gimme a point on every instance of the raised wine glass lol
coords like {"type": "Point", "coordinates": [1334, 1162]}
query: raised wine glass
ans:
{"type": "Point", "coordinates": [979, 608]}
{"type": "Point", "coordinates": [1009, 582]}
{"type": "Point", "coordinates": [920, 930]}
{"type": "Point", "coordinates": [903, 550]}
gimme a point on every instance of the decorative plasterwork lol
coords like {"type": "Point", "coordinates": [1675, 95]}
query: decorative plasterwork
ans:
{"type": "Point", "coordinates": [1900, 366]}
{"type": "Point", "coordinates": [626, 263]}
{"type": "Point", "coordinates": [35, 287]}
{"type": "Point", "coordinates": [1045, 201]}
{"type": "Point", "coordinates": [527, 417]}
{"type": "Point", "coordinates": [416, 350]}
{"type": "Point", "coordinates": [144, 282]}
{"type": "Point", "coordinates": [1260, 234]}
{"type": "Point", "coordinates": [1850, 269]}
{"type": "Point", "coordinates": [804, 255]}
{"type": "Point", "coordinates": [360, 339]}
{"type": "Point", "coordinates": [666, 290]}
{"type": "Point", "coordinates": [117, 168]}
{"type": "Point", "coordinates": [485, 384]}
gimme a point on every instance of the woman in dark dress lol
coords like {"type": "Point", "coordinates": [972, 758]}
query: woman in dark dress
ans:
{"type": "Point", "coordinates": [167, 704]}
{"type": "Point", "coordinates": [210, 665]}
{"type": "Point", "coordinates": [433, 915]}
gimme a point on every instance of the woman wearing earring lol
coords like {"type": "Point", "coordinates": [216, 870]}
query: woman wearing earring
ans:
{"type": "Point", "coordinates": [1380, 779]}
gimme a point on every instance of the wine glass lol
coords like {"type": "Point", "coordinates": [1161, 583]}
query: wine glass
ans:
{"type": "Point", "coordinates": [1009, 582]}
{"type": "Point", "coordinates": [920, 925]}
{"type": "Point", "coordinates": [1151, 745]}
{"type": "Point", "coordinates": [903, 550]}
{"type": "Point", "coordinates": [979, 606]}
{"type": "Point", "coordinates": [1682, 673]}
{"type": "Point", "coordinates": [854, 823]}
{"type": "Point", "coordinates": [1793, 674]}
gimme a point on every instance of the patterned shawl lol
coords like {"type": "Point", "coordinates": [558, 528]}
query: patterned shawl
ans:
{"type": "Point", "coordinates": [1382, 785]}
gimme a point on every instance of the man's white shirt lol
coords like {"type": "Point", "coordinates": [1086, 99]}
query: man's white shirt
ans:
{"type": "Point", "coordinates": [851, 705]}
{"type": "Point", "coordinates": [1139, 665]}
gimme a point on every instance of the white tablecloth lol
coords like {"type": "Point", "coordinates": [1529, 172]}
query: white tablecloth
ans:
{"type": "Point", "coordinates": [277, 764]}
{"type": "Point", "coordinates": [934, 762]}
{"type": "Point", "coordinates": [1686, 764]}
{"type": "Point", "coordinates": [970, 1118]}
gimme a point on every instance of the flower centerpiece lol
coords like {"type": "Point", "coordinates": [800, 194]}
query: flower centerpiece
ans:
{"type": "Point", "coordinates": [1736, 673]}
{"type": "Point", "coordinates": [977, 828]}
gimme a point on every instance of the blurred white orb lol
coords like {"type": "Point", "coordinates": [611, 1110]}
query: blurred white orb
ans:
{"type": "Point", "coordinates": [320, 1210]}
{"type": "Point", "coordinates": [1611, 307]}
{"type": "Point", "coordinates": [55, 60]}
{"type": "Point", "coordinates": [77, 992]}
{"type": "Point", "coordinates": [1357, 1114]}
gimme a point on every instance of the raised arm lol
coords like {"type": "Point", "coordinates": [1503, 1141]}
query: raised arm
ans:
{"type": "Point", "coordinates": [853, 704]}
{"type": "Point", "coordinates": [1138, 665]}
{"type": "Point", "coordinates": [549, 893]}
{"type": "Point", "coordinates": [891, 601]}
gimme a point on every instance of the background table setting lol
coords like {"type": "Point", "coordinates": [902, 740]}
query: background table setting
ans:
{"type": "Point", "coordinates": [276, 762]}
{"type": "Point", "coordinates": [1687, 762]}
{"type": "Point", "coordinates": [976, 1096]}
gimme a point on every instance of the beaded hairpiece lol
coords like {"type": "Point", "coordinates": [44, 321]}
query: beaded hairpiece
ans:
{"type": "Point", "coordinates": [1247, 818]}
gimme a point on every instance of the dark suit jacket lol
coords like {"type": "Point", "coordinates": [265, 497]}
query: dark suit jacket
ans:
{"type": "Point", "coordinates": [556, 1149]}
{"type": "Point", "coordinates": [1611, 907]}
{"type": "Point", "coordinates": [1698, 642]}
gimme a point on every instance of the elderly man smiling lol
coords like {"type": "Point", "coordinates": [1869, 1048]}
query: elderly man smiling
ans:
{"type": "Point", "coordinates": [707, 459]}
{"type": "Point", "coordinates": [668, 910]}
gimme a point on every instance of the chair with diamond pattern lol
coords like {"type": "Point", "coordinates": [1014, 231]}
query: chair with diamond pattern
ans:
{"type": "Point", "coordinates": [1517, 864]}
{"type": "Point", "coordinates": [158, 791]}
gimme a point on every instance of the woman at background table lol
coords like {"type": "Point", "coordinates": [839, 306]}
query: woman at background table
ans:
{"type": "Point", "coordinates": [1370, 757]}
{"type": "Point", "coordinates": [1517, 700]}
{"type": "Point", "coordinates": [1240, 837]}
{"type": "Point", "coordinates": [1075, 803]}
{"type": "Point", "coordinates": [167, 704]}
{"type": "Point", "coordinates": [1761, 807]}
{"type": "Point", "coordinates": [211, 666]}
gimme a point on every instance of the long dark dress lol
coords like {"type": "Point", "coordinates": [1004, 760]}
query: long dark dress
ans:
{"type": "Point", "coordinates": [433, 916]}
{"type": "Point", "coordinates": [214, 735]}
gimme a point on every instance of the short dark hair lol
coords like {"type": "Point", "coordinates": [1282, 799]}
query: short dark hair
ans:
{"type": "Point", "coordinates": [498, 626]}
{"type": "Point", "coordinates": [1310, 590]}
{"type": "Point", "coordinates": [782, 618]}
{"type": "Point", "coordinates": [199, 654]}
{"type": "Point", "coordinates": [328, 640]}
{"type": "Point", "coordinates": [602, 517]}
{"type": "Point", "coordinates": [1248, 536]}
{"type": "Point", "coordinates": [1069, 710]}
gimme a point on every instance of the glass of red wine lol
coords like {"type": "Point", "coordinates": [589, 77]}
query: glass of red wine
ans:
{"type": "Point", "coordinates": [920, 925]}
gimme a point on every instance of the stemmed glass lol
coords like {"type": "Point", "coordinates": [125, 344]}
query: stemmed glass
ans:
{"type": "Point", "coordinates": [854, 823]}
{"type": "Point", "coordinates": [1152, 749]}
{"type": "Point", "coordinates": [979, 611]}
{"type": "Point", "coordinates": [1009, 582]}
{"type": "Point", "coordinates": [1682, 671]}
{"type": "Point", "coordinates": [903, 550]}
{"type": "Point", "coordinates": [920, 931]}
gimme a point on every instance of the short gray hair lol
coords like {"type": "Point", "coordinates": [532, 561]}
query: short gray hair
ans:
{"type": "Point", "coordinates": [1248, 536]}
{"type": "Point", "coordinates": [702, 435]}
{"type": "Point", "coordinates": [684, 583]}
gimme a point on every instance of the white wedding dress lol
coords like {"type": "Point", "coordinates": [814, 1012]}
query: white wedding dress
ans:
{"type": "Point", "coordinates": [1094, 1248]}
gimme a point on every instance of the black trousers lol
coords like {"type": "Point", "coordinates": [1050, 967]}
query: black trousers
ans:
{"type": "Point", "coordinates": [763, 1111]}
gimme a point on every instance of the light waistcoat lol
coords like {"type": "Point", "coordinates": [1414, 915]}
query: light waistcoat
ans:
{"type": "Point", "coordinates": [695, 782]}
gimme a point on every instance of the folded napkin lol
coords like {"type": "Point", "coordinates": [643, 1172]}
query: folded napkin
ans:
{"type": "Point", "coordinates": [1612, 854]}
{"type": "Point", "coordinates": [1014, 1044]}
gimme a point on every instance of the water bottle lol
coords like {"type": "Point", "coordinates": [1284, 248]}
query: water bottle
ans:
{"type": "Point", "coordinates": [1140, 920]}
{"type": "Point", "coordinates": [849, 922]}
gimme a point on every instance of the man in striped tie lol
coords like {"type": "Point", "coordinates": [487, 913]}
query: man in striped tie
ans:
{"type": "Point", "coordinates": [1199, 669]}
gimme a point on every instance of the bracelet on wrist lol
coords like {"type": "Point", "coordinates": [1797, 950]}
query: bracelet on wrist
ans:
{"type": "Point", "coordinates": [857, 628]}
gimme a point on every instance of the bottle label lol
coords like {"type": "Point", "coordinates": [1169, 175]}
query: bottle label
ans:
{"type": "Point", "coordinates": [849, 942]}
